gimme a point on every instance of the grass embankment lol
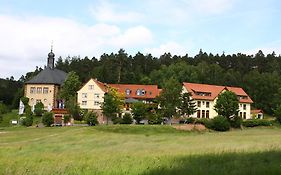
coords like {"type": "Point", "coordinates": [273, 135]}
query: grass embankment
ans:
{"type": "Point", "coordinates": [138, 150]}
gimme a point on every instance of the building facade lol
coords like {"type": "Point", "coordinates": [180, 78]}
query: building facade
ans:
{"type": "Point", "coordinates": [91, 95]}
{"type": "Point", "coordinates": [205, 97]}
{"type": "Point", "coordinates": [45, 87]}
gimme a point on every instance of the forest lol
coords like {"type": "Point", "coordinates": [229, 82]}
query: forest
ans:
{"type": "Point", "coordinates": [259, 75]}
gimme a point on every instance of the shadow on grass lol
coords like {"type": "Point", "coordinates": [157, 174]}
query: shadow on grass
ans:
{"type": "Point", "coordinates": [263, 163]}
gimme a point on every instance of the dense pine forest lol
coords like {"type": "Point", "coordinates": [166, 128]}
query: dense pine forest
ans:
{"type": "Point", "coordinates": [259, 75]}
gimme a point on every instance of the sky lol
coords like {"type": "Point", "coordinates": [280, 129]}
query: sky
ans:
{"type": "Point", "coordinates": [93, 27]}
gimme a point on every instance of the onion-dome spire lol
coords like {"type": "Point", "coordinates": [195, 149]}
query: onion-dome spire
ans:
{"type": "Point", "coordinates": [51, 59]}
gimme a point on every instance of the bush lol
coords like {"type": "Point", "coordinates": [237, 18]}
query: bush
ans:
{"type": "Point", "coordinates": [28, 121]}
{"type": "Point", "coordinates": [220, 123]}
{"type": "Point", "coordinates": [257, 122]}
{"type": "Point", "coordinates": [117, 120]}
{"type": "Point", "coordinates": [236, 122]}
{"type": "Point", "coordinates": [206, 122]}
{"type": "Point", "coordinates": [38, 109]}
{"type": "Point", "coordinates": [3, 109]}
{"type": "Point", "coordinates": [154, 119]}
{"type": "Point", "coordinates": [91, 119]}
{"type": "Point", "coordinates": [66, 118]}
{"type": "Point", "coordinates": [127, 119]}
{"type": "Point", "coordinates": [24, 100]}
{"type": "Point", "coordinates": [190, 120]}
{"type": "Point", "coordinates": [48, 119]}
{"type": "Point", "coordinates": [277, 113]}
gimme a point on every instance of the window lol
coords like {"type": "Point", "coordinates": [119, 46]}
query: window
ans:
{"type": "Point", "coordinates": [207, 104]}
{"type": "Point", "coordinates": [96, 103]}
{"type": "Point", "coordinates": [97, 95]}
{"type": "Point", "coordinates": [128, 91]}
{"type": "Point", "coordinates": [198, 113]}
{"type": "Point", "coordinates": [84, 103]}
{"type": "Point", "coordinates": [207, 114]}
{"type": "Point", "coordinates": [203, 113]}
{"type": "Point", "coordinates": [32, 90]}
{"type": "Point", "coordinates": [203, 103]}
{"type": "Point", "coordinates": [38, 101]}
{"type": "Point", "coordinates": [240, 114]}
{"type": "Point", "coordinates": [84, 95]}
{"type": "Point", "coordinates": [91, 87]}
{"type": "Point", "coordinates": [39, 90]}
{"type": "Point", "coordinates": [199, 103]}
{"type": "Point", "coordinates": [244, 106]}
{"type": "Point", "coordinates": [143, 92]}
{"type": "Point", "coordinates": [244, 115]}
{"type": "Point", "coordinates": [45, 90]}
{"type": "Point", "coordinates": [139, 92]}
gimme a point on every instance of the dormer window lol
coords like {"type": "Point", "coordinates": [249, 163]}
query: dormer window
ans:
{"type": "Point", "coordinates": [139, 92]}
{"type": "Point", "coordinates": [143, 92]}
{"type": "Point", "coordinates": [128, 91]}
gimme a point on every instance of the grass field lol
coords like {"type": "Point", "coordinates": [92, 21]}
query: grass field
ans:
{"type": "Point", "coordinates": [145, 150]}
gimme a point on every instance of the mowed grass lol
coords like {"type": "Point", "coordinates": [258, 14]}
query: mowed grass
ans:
{"type": "Point", "coordinates": [146, 150]}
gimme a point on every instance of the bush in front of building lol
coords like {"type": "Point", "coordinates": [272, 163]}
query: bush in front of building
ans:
{"type": "Point", "coordinates": [277, 113]}
{"type": "Point", "coordinates": [257, 122]}
{"type": "Point", "coordinates": [39, 109]}
{"type": "Point", "coordinates": [28, 120]}
{"type": "Point", "coordinates": [155, 119]}
{"type": "Point", "coordinates": [91, 118]}
{"type": "Point", "coordinates": [204, 121]}
{"type": "Point", "coordinates": [66, 118]}
{"type": "Point", "coordinates": [48, 119]}
{"type": "Point", "coordinates": [236, 122]}
{"type": "Point", "coordinates": [189, 120]}
{"type": "Point", "coordinates": [127, 119]}
{"type": "Point", "coordinates": [220, 123]}
{"type": "Point", "coordinates": [117, 120]}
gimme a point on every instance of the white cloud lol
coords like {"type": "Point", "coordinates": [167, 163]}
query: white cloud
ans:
{"type": "Point", "coordinates": [133, 36]}
{"type": "Point", "coordinates": [109, 12]}
{"type": "Point", "coordinates": [172, 47]}
{"type": "Point", "coordinates": [26, 41]}
{"type": "Point", "coordinates": [212, 6]}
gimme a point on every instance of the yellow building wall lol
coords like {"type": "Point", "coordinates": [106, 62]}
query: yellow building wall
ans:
{"type": "Point", "coordinates": [213, 113]}
{"type": "Point", "coordinates": [94, 97]}
{"type": "Point", "coordinates": [48, 98]}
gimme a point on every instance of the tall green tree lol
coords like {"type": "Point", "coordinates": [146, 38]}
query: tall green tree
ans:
{"type": "Point", "coordinates": [139, 110]}
{"type": "Point", "coordinates": [187, 106]}
{"type": "Point", "coordinates": [169, 98]}
{"type": "Point", "coordinates": [70, 86]}
{"type": "Point", "coordinates": [113, 103]}
{"type": "Point", "coordinates": [227, 105]}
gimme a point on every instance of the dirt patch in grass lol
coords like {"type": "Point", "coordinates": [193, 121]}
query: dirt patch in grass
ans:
{"type": "Point", "coordinates": [190, 127]}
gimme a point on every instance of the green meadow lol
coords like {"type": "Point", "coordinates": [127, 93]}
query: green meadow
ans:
{"type": "Point", "coordinates": [143, 150]}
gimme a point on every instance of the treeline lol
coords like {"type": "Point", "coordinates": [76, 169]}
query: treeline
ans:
{"type": "Point", "coordinates": [259, 75]}
{"type": "Point", "coordinates": [10, 92]}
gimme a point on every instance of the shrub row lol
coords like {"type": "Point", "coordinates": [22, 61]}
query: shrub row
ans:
{"type": "Point", "coordinates": [257, 122]}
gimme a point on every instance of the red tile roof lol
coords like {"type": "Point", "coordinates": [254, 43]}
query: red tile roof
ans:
{"type": "Point", "coordinates": [244, 98]}
{"type": "Point", "coordinates": [210, 92]}
{"type": "Point", "coordinates": [150, 91]}
{"type": "Point", "coordinates": [256, 111]}
{"type": "Point", "coordinates": [101, 85]}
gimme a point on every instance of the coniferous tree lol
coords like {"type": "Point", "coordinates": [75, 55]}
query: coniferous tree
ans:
{"type": "Point", "coordinates": [188, 106]}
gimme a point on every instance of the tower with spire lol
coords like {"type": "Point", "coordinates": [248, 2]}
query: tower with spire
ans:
{"type": "Point", "coordinates": [51, 59]}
